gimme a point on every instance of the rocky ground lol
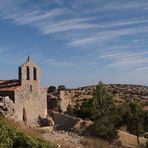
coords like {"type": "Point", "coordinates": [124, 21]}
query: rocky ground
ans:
{"type": "Point", "coordinates": [64, 139]}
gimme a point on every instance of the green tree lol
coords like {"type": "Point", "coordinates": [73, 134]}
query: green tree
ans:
{"type": "Point", "coordinates": [70, 110]}
{"type": "Point", "coordinates": [51, 89]}
{"type": "Point", "coordinates": [61, 87]}
{"type": "Point", "coordinates": [145, 121]}
{"type": "Point", "coordinates": [86, 109]}
{"type": "Point", "coordinates": [102, 99]}
{"type": "Point", "coordinates": [135, 118]}
{"type": "Point", "coordinates": [105, 116]}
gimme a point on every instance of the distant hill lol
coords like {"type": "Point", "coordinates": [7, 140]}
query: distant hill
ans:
{"type": "Point", "coordinates": [120, 92]}
{"type": "Point", "coordinates": [123, 91]}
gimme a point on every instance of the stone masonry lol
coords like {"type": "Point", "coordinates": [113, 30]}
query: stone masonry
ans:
{"type": "Point", "coordinates": [29, 97]}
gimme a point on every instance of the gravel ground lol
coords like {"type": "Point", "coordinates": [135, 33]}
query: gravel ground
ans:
{"type": "Point", "coordinates": [64, 139]}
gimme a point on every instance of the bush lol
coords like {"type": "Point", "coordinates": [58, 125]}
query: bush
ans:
{"type": "Point", "coordinates": [13, 138]}
{"type": "Point", "coordinates": [51, 89]}
{"type": "Point", "coordinates": [61, 87]}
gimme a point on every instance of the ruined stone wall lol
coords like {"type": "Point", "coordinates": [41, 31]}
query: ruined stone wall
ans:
{"type": "Point", "coordinates": [64, 100]}
{"type": "Point", "coordinates": [73, 97]}
{"type": "Point", "coordinates": [70, 123]}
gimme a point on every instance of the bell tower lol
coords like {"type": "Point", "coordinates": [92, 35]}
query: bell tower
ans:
{"type": "Point", "coordinates": [30, 97]}
{"type": "Point", "coordinates": [29, 73]}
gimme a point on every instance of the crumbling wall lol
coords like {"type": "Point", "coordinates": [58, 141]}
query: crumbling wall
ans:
{"type": "Point", "coordinates": [69, 123]}
{"type": "Point", "coordinates": [73, 97]}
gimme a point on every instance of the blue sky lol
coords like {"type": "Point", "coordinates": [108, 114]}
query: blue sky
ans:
{"type": "Point", "coordinates": [76, 42]}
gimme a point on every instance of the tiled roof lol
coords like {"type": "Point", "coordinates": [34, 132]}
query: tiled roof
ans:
{"type": "Point", "coordinates": [8, 85]}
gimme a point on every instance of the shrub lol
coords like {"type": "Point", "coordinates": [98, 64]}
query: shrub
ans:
{"type": "Point", "coordinates": [13, 138]}
{"type": "Point", "coordinates": [51, 89]}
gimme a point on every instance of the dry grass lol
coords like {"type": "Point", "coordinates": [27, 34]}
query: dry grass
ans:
{"type": "Point", "coordinates": [95, 143]}
{"type": "Point", "coordinates": [64, 144]}
{"type": "Point", "coordinates": [17, 125]}
{"type": "Point", "coordinates": [86, 143]}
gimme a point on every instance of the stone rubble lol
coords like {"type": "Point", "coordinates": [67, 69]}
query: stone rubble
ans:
{"type": "Point", "coordinates": [68, 138]}
{"type": "Point", "coordinates": [6, 107]}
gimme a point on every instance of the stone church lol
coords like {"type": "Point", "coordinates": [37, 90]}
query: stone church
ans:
{"type": "Point", "coordinates": [29, 98]}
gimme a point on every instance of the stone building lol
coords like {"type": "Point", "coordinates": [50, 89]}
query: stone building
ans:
{"type": "Point", "coordinates": [29, 97]}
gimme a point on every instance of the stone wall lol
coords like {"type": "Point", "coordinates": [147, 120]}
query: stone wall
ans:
{"type": "Point", "coordinates": [31, 104]}
{"type": "Point", "coordinates": [30, 98]}
{"type": "Point", "coordinates": [69, 123]}
{"type": "Point", "coordinates": [65, 100]}
{"type": "Point", "coordinates": [73, 97]}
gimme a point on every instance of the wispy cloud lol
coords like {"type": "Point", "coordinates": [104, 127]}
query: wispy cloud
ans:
{"type": "Point", "coordinates": [36, 16]}
{"type": "Point", "coordinates": [126, 59]}
{"type": "Point", "coordinates": [66, 25]}
{"type": "Point", "coordinates": [57, 63]}
{"type": "Point", "coordinates": [63, 20]}
{"type": "Point", "coordinates": [108, 35]}
{"type": "Point", "coordinates": [124, 5]}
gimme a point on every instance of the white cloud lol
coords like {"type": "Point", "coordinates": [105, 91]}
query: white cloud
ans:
{"type": "Point", "coordinates": [126, 59]}
{"type": "Point", "coordinates": [102, 37]}
{"type": "Point", "coordinates": [63, 20]}
{"type": "Point", "coordinates": [57, 63]}
{"type": "Point", "coordinates": [121, 6]}
{"type": "Point", "coordinates": [66, 25]}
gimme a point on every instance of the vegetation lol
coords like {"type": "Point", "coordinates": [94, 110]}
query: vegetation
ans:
{"type": "Point", "coordinates": [105, 117]}
{"type": "Point", "coordinates": [89, 142]}
{"type": "Point", "coordinates": [134, 118]}
{"type": "Point", "coordinates": [61, 87]}
{"type": "Point", "coordinates": [101, 110]}
{"type": "Point", "coordinates": [11, 137]}
{"type": "Point", "coordinates": [51, 89]}
{"type": "Point", "coordinates": [108, 116]}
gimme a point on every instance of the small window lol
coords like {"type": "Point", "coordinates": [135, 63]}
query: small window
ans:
{"type": "Point", "coordinates": [27, 73]}
{"type": "Point", "coordinates": [34, 74]}
{"type": "Point", "coordinates": [30, 88]}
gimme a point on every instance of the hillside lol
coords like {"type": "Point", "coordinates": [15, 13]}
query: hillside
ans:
{"type": "Point", "coordinates": [120, 92]}
{"type": "Point", "coordinates": [123, 91]}
{"type": "Point", "coordinates": [14, 135]}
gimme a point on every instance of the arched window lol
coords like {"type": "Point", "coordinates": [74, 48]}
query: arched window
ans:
{"type": "Point", "coordinates": [34, 74]}
{"type": "Point", "coordinates": [27, 73]}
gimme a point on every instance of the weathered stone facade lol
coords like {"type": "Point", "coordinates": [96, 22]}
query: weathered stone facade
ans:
{"type": "Point", "coordinates": [29, 98]}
